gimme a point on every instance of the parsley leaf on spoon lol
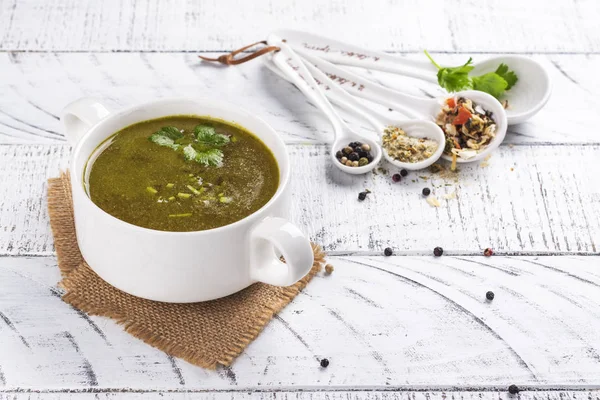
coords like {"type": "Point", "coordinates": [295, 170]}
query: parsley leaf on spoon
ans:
{"type": "Point", "coordinates": [491, 83]}
{"type": "Point", "coordinates": [454, 79]}
{"type": "Point", "coordinates": [509, 76]}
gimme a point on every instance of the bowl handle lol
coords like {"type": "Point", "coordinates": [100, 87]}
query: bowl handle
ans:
{"type": "Point", "coordinates": [277, 233]}
{"type": "Point", "coordinates": [79, 116]}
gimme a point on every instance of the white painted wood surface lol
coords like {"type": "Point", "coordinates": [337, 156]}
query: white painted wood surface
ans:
{"type": "Point", "coordinates": [548, 202]}
{"type": "Point", "coordinates": [404, 327]}
{"type": "Point", "coordinates": [36, 87]}
{"type": "Point", "coordinates": [399, 25]}
{"type": "Point", "coordinates": [307, 395]}
{"type": "Point", "coordinates": [383, 322]}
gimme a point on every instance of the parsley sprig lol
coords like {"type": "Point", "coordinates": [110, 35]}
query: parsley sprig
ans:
{"type": "Point", "coordinates": [454, 79]}
{"type": "Point", "coordinates": [202, 146]}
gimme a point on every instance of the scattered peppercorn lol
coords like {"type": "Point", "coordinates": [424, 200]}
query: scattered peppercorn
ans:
{"type": "Point", "coordinates": [396, 177]}
{"type": "Point", "coordinates": [388, 251]}
{"type": "Point", "coordinates": [438, 251]}
{"type": "Point", "coordinates": [403, 172]}
{"type": "Point", "coordinates": [489, 295]}
{"type": "Point", "coordinates": [362, 196]}
{"type": "Point", "coordinates": [324, 363]}
{"type": "Point", "coordinates": [488, 252]}
{"type": "Point", "coordinates": [513, 389]}
{"type": "Point", "coordinates": [328, 269]}
{"type": "Point", "coordinates": [426, 192]}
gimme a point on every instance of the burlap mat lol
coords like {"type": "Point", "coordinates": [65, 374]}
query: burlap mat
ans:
{"type": "Point", "coordinates": [205, 334]}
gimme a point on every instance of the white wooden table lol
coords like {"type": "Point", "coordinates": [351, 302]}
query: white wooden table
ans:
{"type": "Point", "coordinates": [409, 326]}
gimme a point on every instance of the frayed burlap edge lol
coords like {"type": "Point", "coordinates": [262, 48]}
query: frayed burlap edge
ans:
{"type": "Point", "coordinates": [68, 250]}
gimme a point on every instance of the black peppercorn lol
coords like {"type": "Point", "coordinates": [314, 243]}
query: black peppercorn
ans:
{"type": "Point", "coordinates": [362, 196]}
{"type": "Point", "coordinates": [438, 251]}
{"type": "Point", "coordinates": [369, 157]}
{"type": "Point", "coordinates": [339, 155]}
{"type": "Point", "coordinates": [489, 295]}
{"type": "Point", "coordinates": [396, 177]}
{"type": "Point", "coordinates": [352, 144]}
{"type": "Point", "coordinates": [324, 363]}
{"type": "Point", "coordinates": [361, 153]}
{"type": "Point", "coordinates": [353, 156]}
{"type": "Point", "coordinates": [388, 251]}
{"type": "Point", "coordinates": [403, 172]}
{"type": "Point", "coordinates": [513, 389]}
{"type": "Point", "coordinates": [426, 192]}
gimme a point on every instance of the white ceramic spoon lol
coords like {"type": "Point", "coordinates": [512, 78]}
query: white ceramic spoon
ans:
{"type": "Point", "coordinates": [414, 127]}
{"type": "Point", "coordinates": [525, 99]}
{"type": "Point", "coordinates": [293, 68]}
{"type": "Point", "coordinates": [428, 108]}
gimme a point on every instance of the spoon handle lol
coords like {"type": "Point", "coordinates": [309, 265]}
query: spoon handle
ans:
{"type": "Point", "coordinates": [411, 106]}
{"type": "Point", "coordinates": [344, 99]}
{"type": "Point", "coordinates": [294, 69]}
{"type": "Point", "coordinates": [347, 54]}
{"type": "Point", "coordinates": [340, 97]}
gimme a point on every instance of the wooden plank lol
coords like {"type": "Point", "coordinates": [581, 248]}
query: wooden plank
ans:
{"type": "Point", "coordinates": [37, 86]}
{"type": "Point", "coordinates": [558, 26]}
{"type": "Point", "coordinates": [528, 200]}
{"type": "Point", "coordinates": [385, 323]}
{"type": "Point", "coordinates": [297, 395]}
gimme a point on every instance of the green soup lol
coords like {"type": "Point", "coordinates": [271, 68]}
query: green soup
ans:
{"type": "Point", "coordinates": [183, 173]}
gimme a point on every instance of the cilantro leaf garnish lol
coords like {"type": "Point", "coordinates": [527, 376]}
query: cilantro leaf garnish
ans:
{"type": "Point", "coordinates": [166, 136]}
{"type": "Point", "coordinates": [509, 76]}
{"type": "Point", "coordinates": [454, 79]}
{"type": "Point", "coordinates": [208, 136]}
{"type": "Point", "coordinates": [201, 146]}
{"type": "Point", "coordinates": [211, 157]}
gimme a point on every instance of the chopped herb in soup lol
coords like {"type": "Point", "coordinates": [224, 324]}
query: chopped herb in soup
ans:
{"type": "Point", "coordinates": [183, 173]}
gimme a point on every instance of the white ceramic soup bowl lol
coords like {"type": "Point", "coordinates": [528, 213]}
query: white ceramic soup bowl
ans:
{"type": "Point", "coordinates": [182, 267]}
